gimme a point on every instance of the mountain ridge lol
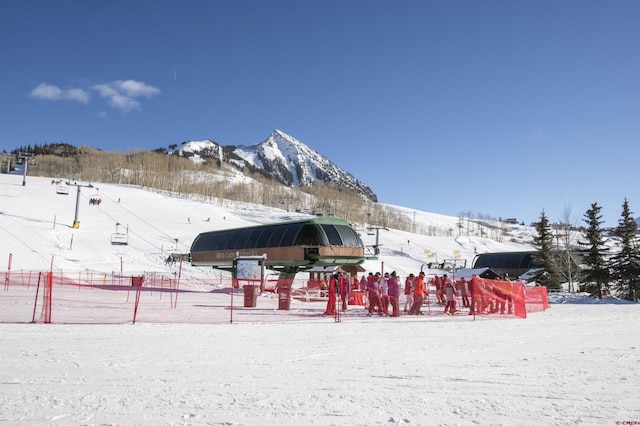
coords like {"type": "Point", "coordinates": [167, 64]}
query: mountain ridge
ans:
{"type": "Point", "coordinates": [281, 157]}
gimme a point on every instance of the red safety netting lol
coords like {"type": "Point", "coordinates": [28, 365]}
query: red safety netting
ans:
{"type": "Point", "coordinates": [506, 298]}
{"type": "Point", "coordinates": [61, 297]}
{"type": "Point", "coordinates": [537, 299]}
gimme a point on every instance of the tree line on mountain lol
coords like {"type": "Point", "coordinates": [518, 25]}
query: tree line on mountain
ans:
{"type": "Point", "coordinates": [215, 181]}
{"type": "Point", "coordinates": [60, 149]}
{"type": "Point", "coordinates": [212, 181]}
{"type": "Point", "coordinates": [607, 264]}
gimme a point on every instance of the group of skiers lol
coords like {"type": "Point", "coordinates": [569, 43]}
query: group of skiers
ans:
{"type": "Point", "coordinates": [383, 293]}
{"type": "Point", "coordinates": [447, 293]}
{"type": "Point", "coordinates": [95, 201]}
{"type": "Point", "coordinates": [416, 290]}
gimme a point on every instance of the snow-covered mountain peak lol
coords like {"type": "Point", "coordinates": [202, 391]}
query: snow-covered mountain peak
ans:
{"type": "Point", "coordinates": [294, 163]}
{"type": "Point", "coordinates": [281, 157]}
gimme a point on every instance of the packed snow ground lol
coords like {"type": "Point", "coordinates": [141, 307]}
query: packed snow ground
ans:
{"type": "Point", "coordinates": [575, 363]}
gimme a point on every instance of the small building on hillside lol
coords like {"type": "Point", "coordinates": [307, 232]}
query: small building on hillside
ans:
{"type": "Point", "coordinates": [468, 273]}
{"type": "Point", "coordinates": [513, 263]}
{"type": "Point", "coordinates": [521, 264]}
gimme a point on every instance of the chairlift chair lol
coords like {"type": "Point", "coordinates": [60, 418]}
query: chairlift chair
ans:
{"type": "Point", "coordinates": [118, 238]}
{"type": "Point", "coordinates": [63, 190]}
{"type": "Point", "coordinates": [95, 198]}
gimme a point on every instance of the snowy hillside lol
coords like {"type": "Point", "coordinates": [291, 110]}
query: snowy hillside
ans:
{"type": "Point", "coordinates": [36, 228]}
{"type": "Point", "coordinates": [199, 151]}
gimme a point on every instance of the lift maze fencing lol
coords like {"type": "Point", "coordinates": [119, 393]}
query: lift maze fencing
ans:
{"type": "Point", "coordinates": [71, 297]}
{"type": "Point", "coordinates": [61, 297]}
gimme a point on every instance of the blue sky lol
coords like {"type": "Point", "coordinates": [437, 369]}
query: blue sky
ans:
{"type": "Point", "coordinates": [497, 108]}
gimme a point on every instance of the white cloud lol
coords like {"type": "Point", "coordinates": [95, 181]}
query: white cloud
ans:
{"type": "Point", "coordinates": [136, 88]}
{"type": "Point", "coordinates": [122, 94]}
{"type": "Point", "coordinates": [52, 92]}
{"type": "Point", "coordinates": [79, 95]}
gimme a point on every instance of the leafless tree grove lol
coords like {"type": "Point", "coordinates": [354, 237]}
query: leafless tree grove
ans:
{"type": "Point", "coordinates": [216, 182]}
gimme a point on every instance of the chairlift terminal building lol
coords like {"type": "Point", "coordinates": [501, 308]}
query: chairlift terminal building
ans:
{"type": "Point", "coordinates": [289, 247]}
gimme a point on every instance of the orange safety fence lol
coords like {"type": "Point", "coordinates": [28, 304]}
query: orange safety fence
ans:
{"type": "Point", "coordinates": [62, 297]}
{"type": "Point", "coordinates": [537, 299]}
{"type": "Point", "coordinates": [506, 298]}
{"type": "Point", "coordinates": [81, 297]}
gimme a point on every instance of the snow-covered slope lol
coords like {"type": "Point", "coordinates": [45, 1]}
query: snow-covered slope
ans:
{"type": "Point", "coordinates": [36, 229]}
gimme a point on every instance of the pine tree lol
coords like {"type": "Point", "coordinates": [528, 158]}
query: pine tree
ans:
{"type": "Point", "coordinates": [626, 263]}
{"type": "Point", "coordinates": [596, 273]}
{"type": "Point", "coordinates": [544, 258]}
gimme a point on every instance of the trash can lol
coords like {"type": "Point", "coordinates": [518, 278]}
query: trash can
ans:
{"type": "Point", "coordinates": [250, 296]}
{"type": "Point", "coordinates": [284, 298]}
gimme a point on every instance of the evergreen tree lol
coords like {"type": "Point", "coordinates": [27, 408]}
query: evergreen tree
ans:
{"type": "Point", "coordinates": [626, 263]}
{"type": "Point", "coordinates": [596, 273]}
{"type": "Point", "coordinates": [544, 258]}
